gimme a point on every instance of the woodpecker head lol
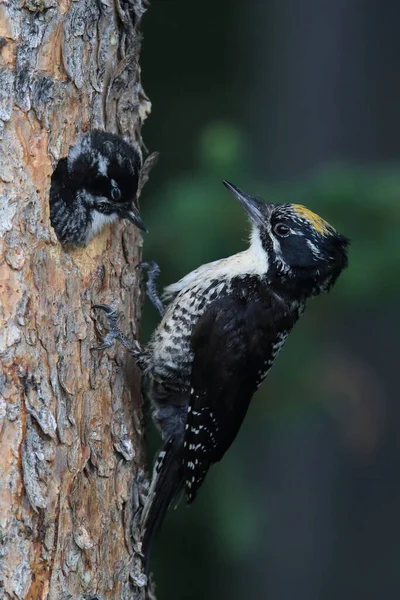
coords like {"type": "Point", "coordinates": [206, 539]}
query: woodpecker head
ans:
{"type": "Point", "coordinates": [103, 174]}
{"type": "Point", "coordinates": [305, 253]}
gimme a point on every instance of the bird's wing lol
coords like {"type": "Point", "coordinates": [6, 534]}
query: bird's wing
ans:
{"type": "Point", "coordinates": [234, 344]}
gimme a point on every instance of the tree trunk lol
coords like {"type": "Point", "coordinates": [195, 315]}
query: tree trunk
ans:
{"type": "Point", "coordinates": [71, 432]}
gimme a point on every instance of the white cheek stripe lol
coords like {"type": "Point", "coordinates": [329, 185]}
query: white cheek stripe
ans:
{"type": "Point", "coordinates": [99, 221]}
{"type": "Point", "coordinates": [278, 253]}
{"type": "Point", "coordinates": [314, 249]}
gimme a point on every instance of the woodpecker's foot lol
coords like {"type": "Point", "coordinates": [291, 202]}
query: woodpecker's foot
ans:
{"type": "Point", "coordinates": [114, 333]}
{"type": "Point", "coordinates": [153, 271]}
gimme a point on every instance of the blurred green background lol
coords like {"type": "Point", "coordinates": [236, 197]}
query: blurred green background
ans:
{"type": "Point", "coordinates": [296, 102]}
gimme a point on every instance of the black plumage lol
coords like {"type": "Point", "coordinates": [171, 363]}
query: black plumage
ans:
{"type": "Point", "coordinates": [223, 326]}
{"type": "Point", "coordinates": [95, 185]}
{"type": "Point", "coordinates": [244, 330]}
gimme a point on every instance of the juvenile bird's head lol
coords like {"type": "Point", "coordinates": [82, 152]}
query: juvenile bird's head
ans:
{"type": "Point", "coordinates": [305, 253]}
{"type": "Point", "coordinates": [104, 173]}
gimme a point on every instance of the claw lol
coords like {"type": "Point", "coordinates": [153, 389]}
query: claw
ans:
{"type": "Point", "coordinates": [149, 265]}
{"type": "Point", "coordinates": [106, 307]}
{"type": "Point", "coordinates": [114, 333]}
{"type": "Point", "coordinates": [107, 343]}
{"type": "Point", "coordinates": [112, 314]}
{"type": "Point", "coordinates": [153, 272]}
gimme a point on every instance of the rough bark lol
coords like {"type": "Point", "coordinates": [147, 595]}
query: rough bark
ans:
{"type": "Point", "coordinates": [71, 460]}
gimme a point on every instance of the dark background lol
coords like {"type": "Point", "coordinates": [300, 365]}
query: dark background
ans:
{"type": "Point", "coordinates": [298, 102]}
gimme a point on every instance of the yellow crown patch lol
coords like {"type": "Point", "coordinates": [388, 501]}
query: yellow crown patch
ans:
{"type": "Point", "coordinates": [317, 222]}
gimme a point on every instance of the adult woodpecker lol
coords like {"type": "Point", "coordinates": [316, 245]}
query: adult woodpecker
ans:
{"type": "Point", "coordinates": [223, 326]}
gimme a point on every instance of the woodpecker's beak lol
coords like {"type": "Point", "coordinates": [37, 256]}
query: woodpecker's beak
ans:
{"type": "Point", "coordinates": [133, 217]}
{"type": "Point", "coordinates": [254, 207]}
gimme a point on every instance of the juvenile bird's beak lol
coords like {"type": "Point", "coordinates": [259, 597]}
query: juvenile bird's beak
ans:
{"type": "Point", "coordinates": [255, 208]}
{"type": "Point", "coordinates": [134, 217]}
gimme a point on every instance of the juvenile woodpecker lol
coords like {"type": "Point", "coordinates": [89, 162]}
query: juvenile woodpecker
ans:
{"type": "Point", "coordinates": [96, 184]}
{"type": "Point", "coordinates": [223, 326]}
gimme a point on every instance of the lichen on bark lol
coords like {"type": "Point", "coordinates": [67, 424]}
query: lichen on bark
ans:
{"type": "Point", "coordinates": [71, 430]}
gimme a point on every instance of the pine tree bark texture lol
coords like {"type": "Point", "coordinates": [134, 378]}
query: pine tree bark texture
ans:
{"type": "Point", "coordinates": [71, 431]}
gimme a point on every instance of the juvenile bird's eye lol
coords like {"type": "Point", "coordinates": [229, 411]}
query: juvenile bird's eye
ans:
{"type": "Point", "coordinates": [115, 193]}
{"type": "Point", "coordinates": [281, 229]}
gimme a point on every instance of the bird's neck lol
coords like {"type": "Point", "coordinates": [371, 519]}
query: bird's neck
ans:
{"type": "Point", "coordinates": [276, 275]}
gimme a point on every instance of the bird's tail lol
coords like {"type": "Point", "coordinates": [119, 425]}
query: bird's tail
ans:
{"type": "Point", "coordinates": [166, 484]}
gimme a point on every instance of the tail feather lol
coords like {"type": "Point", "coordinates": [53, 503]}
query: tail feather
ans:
{"type": "Point", "coordinates": [166, 484]}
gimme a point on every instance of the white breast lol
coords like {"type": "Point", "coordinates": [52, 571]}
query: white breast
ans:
{"type": "Point", "coordinates": [253, 261]}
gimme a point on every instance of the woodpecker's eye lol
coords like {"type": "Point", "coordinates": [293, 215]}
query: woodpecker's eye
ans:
{"type": "Point", "coordinates": [281, 230]}
{"type": "Point", "coordinates": [115, 193]}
